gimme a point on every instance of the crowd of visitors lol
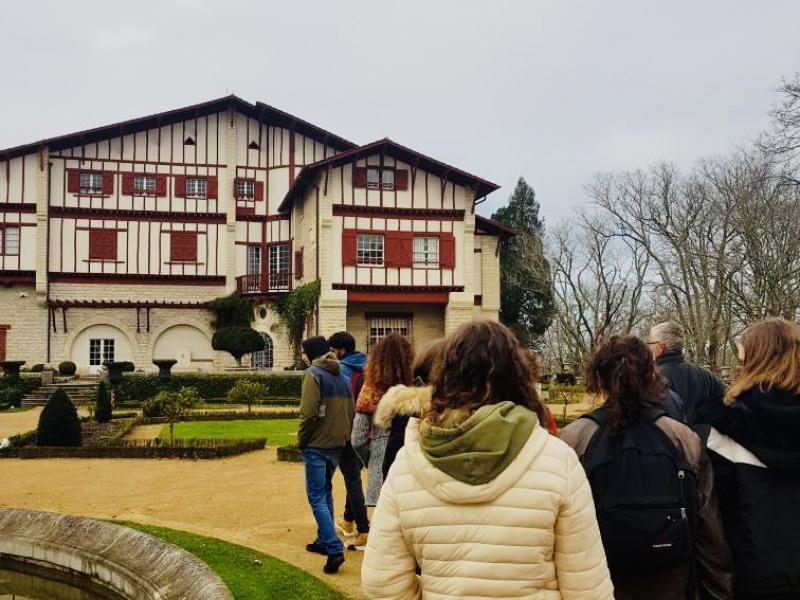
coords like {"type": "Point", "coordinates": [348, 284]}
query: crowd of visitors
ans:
{"type": "Point", "coordinates": [676, 487]}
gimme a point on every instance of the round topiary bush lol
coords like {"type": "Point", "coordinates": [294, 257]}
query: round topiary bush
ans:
{"type": "Point", "coordinates": [11, 369]}
{"type": "Point", "coordinates": [37, 368]}
{"type": "Point", "coordinates": [14, 396]}
{"type": "Point", "coordinates": [102, 409]}
{"type": "Point", "coordinates": [59, 424]}
{"type": "Point", "coordinates": [67, 368]}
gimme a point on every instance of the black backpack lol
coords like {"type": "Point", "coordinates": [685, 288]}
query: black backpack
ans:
{"type": "Point", "coordinates": [644, 492]}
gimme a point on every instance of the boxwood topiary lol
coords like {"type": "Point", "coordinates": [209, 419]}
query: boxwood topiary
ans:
{"type": "Point", "coordinates": [237, 341]}
{"type": "Point", "coordinates": [59, 424]}
{"type": "Point", "coordinates": [67, 368]}
{"type": "Point", "coordinates": [37, 368]}
{"type": "Point", "coordinates": [102, 409]}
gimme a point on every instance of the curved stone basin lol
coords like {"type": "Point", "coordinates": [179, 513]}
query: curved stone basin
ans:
{"type": "Point", "coordinates": [124, 563]}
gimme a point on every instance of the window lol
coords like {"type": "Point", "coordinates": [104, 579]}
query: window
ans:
{"type": "Point", "coordinates": [369, 249]}
{"type": "Point", "coordinates": [183, 246]}
{"type": "Point", "coordinates": [102, 244]}
{"type": "Point", "coordinates": [380, 178]}
{"type": "Point", "coordinates": [91, 182]}
{"type": "Point", "coordinates": [253, 260]}
{"type": "Point", "coordinates": [426, 251]}
{"type": "Point", "coordinates": [245, 188]}
{"type": "Point", "coordinates": [382, 325]}
{"type": "Point", "coordinates": [279, 267]}
{"type": "Point", "coordinates": [101, 351]}
{"type": "Point", "coordinates": [144, 184]}
{"type": "Point", "coordinates": [196, 188]}
{"type": "Point", "coordinates": [262, 359]}
{"type": "Point", "coordinates": [9, 241]}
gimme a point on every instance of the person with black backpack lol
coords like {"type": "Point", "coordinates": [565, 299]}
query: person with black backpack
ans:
{"type": "Point", "coordinates": [652, 483]}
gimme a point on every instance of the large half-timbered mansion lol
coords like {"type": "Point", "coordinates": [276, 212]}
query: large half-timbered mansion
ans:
{"type": "Point", "coordinates": [113, 240]}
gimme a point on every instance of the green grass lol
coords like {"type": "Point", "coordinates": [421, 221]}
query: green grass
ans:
{"type": "Point", "coordinates": [278, 432]}
{"type": "Point", "coordinates": [237, 567]}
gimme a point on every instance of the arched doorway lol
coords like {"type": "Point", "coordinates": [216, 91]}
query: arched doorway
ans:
{"type": "Point", "coordinates": [186, 344]}
{"type": "Point", "coordinates": [263, 358]}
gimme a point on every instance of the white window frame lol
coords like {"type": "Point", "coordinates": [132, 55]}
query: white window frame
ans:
{"type": "Point", "coordinates": [253, 259]}
{"type": "Point", "coordinates": [380, 178]}
{"type": "Point", "coordinates": [370, 250]}
{"type": "Point", "coordinates": [279, 258]}
{"type": "Point", "coordinates": [90, 182]}
{"type": "Point", "coordinates": [378, 327]}
{"type": "Point", "coordinates": [144, 184]}
{"type": "Point", "coordinates": [245, 189]}
{"type": "Point", "coordinates": [101, 350]}
{"type": "Point", "coordinates": [426, 252]}
{"type": "Point", "coordinates": [9, 241]}
{"type": "Point", "coordinates": [196, 187]}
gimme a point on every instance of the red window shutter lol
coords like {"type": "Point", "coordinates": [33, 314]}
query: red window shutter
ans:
{"type": "Point", "coordinates": [235, 184]}
{"type": "Point", "coordinates": [298, 264]}
{"type": "Point", "coordinates": [349, 247]}
{"type": "Point", "coordinates": [73, 182]}
{"type": "Point", "coordinates": [447, 251]}
{"type": "Point", "coordinates": [398, 249]}
{"type": "Point", "coordinates": [359, 177]}
{"type": "Point", "coordinates": [161, 185]}
{"type": "Point", "coordinates": [401, 179]}
{"type": "Point", "coordinates": [102, 244]}
{"type": "Point", "coordinates": [127, 184]}
{"type": "Point", "coordinates": [183, 246]}
{"type": "Point", "coordinates": [212, 186]}
{"type": "Point", "coordinates": [108, 183]}
{"type": "Point", "coordinates": [180, 186]}
{"type": "Point", "coordinates": [259, 191]}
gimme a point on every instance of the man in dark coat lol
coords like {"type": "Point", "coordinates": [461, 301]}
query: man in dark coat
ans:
{"type": "Point", "coordinates": [695, 386]}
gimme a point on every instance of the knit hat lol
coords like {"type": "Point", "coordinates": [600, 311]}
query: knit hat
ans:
{"type": "Point", "coordinates": [316, 346]}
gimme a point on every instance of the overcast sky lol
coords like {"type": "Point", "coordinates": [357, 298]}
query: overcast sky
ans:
{"type": "Point", "coordinates": [554, 91]}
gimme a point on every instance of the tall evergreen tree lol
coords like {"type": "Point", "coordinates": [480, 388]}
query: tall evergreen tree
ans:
{"type": "Point", "coordinates": [59, 424]}
{"type": "Point", "coordinates": [103, 408]}
{"type": "Point", "coordinates": [526, 299]}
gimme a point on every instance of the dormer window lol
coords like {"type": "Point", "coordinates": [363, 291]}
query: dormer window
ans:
{"type": "Point", "coordinates": [380, 178]}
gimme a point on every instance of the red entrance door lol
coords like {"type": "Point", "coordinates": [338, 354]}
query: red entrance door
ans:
{"type": "Point", "coordinates": [3, 329]}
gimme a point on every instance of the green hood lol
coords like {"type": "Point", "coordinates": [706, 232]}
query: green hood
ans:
{"type": "Point", "coordinates": [480, 448]}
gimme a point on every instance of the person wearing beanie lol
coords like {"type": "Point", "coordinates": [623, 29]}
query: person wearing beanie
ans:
{"type": "Point", "coordinates": [326, 418]}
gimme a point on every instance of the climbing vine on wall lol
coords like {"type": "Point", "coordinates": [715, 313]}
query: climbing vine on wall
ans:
{"type": "Point", "coordinates": [233, 310]}
{"type": "Point", "coordinates": [296, 309]}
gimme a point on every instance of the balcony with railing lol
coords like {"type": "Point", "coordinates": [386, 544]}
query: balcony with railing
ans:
{"type": "Point", "coordinates": [264, 283]}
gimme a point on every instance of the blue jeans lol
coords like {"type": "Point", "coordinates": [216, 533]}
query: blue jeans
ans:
{"type": "Point", "coordinates": [320, 464]}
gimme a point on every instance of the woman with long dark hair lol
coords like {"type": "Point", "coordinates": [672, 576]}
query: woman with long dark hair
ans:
{"type": "Point", "coordinates": [754, 445]}
{"type": "Point", "coordinates": [652, 483]}
{"type": "Point", "coordinates": [388, 364]}
{"type": "Point", "coordinates": [482, 500]}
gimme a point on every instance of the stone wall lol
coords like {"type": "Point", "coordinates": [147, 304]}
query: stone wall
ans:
{"type": "Point", "coordinates": [26, 337]}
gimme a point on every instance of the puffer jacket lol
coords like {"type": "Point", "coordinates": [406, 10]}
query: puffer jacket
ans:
{"type": "Point", "coordinates": [714, 570]}
{"type": "Point", "coordinates": [529, 533]}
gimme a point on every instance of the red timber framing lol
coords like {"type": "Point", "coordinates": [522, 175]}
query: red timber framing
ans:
{"type": "Point", "coordinates": [136, 215]}
{"type": "Point", "coordinates": [386, 294]}
{"type": "Point", "coordinates": [19, 208]}
{"type": "Point", "coordinates": [3, 331]}
{"type": "Point", "coordinates": [389, 212]}
{"type": "Point", "coordinates": [11, 277]}
{"type": "Point", "coordinates": [130, 279]}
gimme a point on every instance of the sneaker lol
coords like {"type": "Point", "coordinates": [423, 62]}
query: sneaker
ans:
{"type": "Point", "coordinates": [316, 548]}
{"type": "Point", "coordinates": [358, 543]}
{"type": "Point", "coordinates": [333, 563]}
{"type": "Point", "coordinates": [345, 528]}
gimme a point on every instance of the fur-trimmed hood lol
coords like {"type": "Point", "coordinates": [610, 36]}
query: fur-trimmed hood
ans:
{"type": "Point", "coordinates": [402, 400]}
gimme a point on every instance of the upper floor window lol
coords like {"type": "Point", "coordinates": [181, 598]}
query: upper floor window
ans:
{"type": "Point", "coordinates": [144, 184]}
{"type": "Point", "coordinates": [91, 182]}
{"type": "Point", "coordinates": [196, 187]}
{"type": "Point", "coordinates": [183, 246]}
{"type": "Point", "coordinates": [369, 249]}
{"type": "Point", "coordinates": [426, 251]}
{"type": "Point", "coordinates": [9, 241]}
{"type": "Point", "coordinates": [380, 178]}
{"type": "Point", "coordinates": [245, 188]}
{"type": "Point", "coordinates": [102, 244]}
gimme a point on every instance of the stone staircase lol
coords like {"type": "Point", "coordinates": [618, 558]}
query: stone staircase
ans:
{"type": "Point", "coordinates": [81, 391]}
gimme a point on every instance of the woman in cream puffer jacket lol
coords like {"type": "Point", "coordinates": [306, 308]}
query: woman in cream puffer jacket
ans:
{"type": "Point", "coordinates": [481, 499]}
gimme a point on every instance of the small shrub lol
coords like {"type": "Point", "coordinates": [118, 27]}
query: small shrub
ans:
{"type": "Point", "coordinates": [67, 368]}
{"type": "Point", "coordinates": [102, 410]}
{"type": "Point", "coordinates": [237, 341]}
{"type": "Point", "coordinates": [566, 378]}
{"type": "Point", "coordinates": [37, 368]}
{"type": "Point", "coordinates": [59, 424]}
{"type": "Point", "coordinates": [247, 392]}
{"type": "Point", "coordinates": [172, 405]}
{"type": "Point", "coordinates": [14, 396]}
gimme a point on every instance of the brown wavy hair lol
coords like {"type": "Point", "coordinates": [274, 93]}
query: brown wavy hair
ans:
{"type": "Point", "coordinates": [426, 361]}
{"type": "Point", "coordinates": [483, 363]}
{"type": "Point", "coordinates": [623, 371]}
{"type": "Point", "coordinates": [389, 364]}
{"type": "Point", "coordinates": [771, 358]}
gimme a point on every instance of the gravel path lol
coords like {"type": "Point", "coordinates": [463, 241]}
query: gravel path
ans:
{"type": "Point", "coordinates": [252, 500]}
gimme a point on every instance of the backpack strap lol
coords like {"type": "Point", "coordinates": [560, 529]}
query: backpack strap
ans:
{"type": "Point", "coordinates": [653, 414]}
{"type": "Point", "coordinates": [598, 415]}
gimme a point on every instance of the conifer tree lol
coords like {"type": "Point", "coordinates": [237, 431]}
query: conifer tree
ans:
{"type": "Point", "coordinates": [59, 424]}
{"type": "Point", "coordinates": [102, 409]}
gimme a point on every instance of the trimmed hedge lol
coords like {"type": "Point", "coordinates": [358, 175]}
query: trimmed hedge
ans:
{"type": "Point", "coordinates": [139, 387]}
{"type": "Point", "coordinates": [156, 448]}
{"type": "Point", "coordinates": [221, 416]}
{"type": "Point", "coordinates": [290, 454]}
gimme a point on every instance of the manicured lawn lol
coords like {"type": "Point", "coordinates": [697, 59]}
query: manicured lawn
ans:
{"type": "Point", "coordinates": [278, 432]}
{"type": "Point", "coordinates": [237, 566]}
